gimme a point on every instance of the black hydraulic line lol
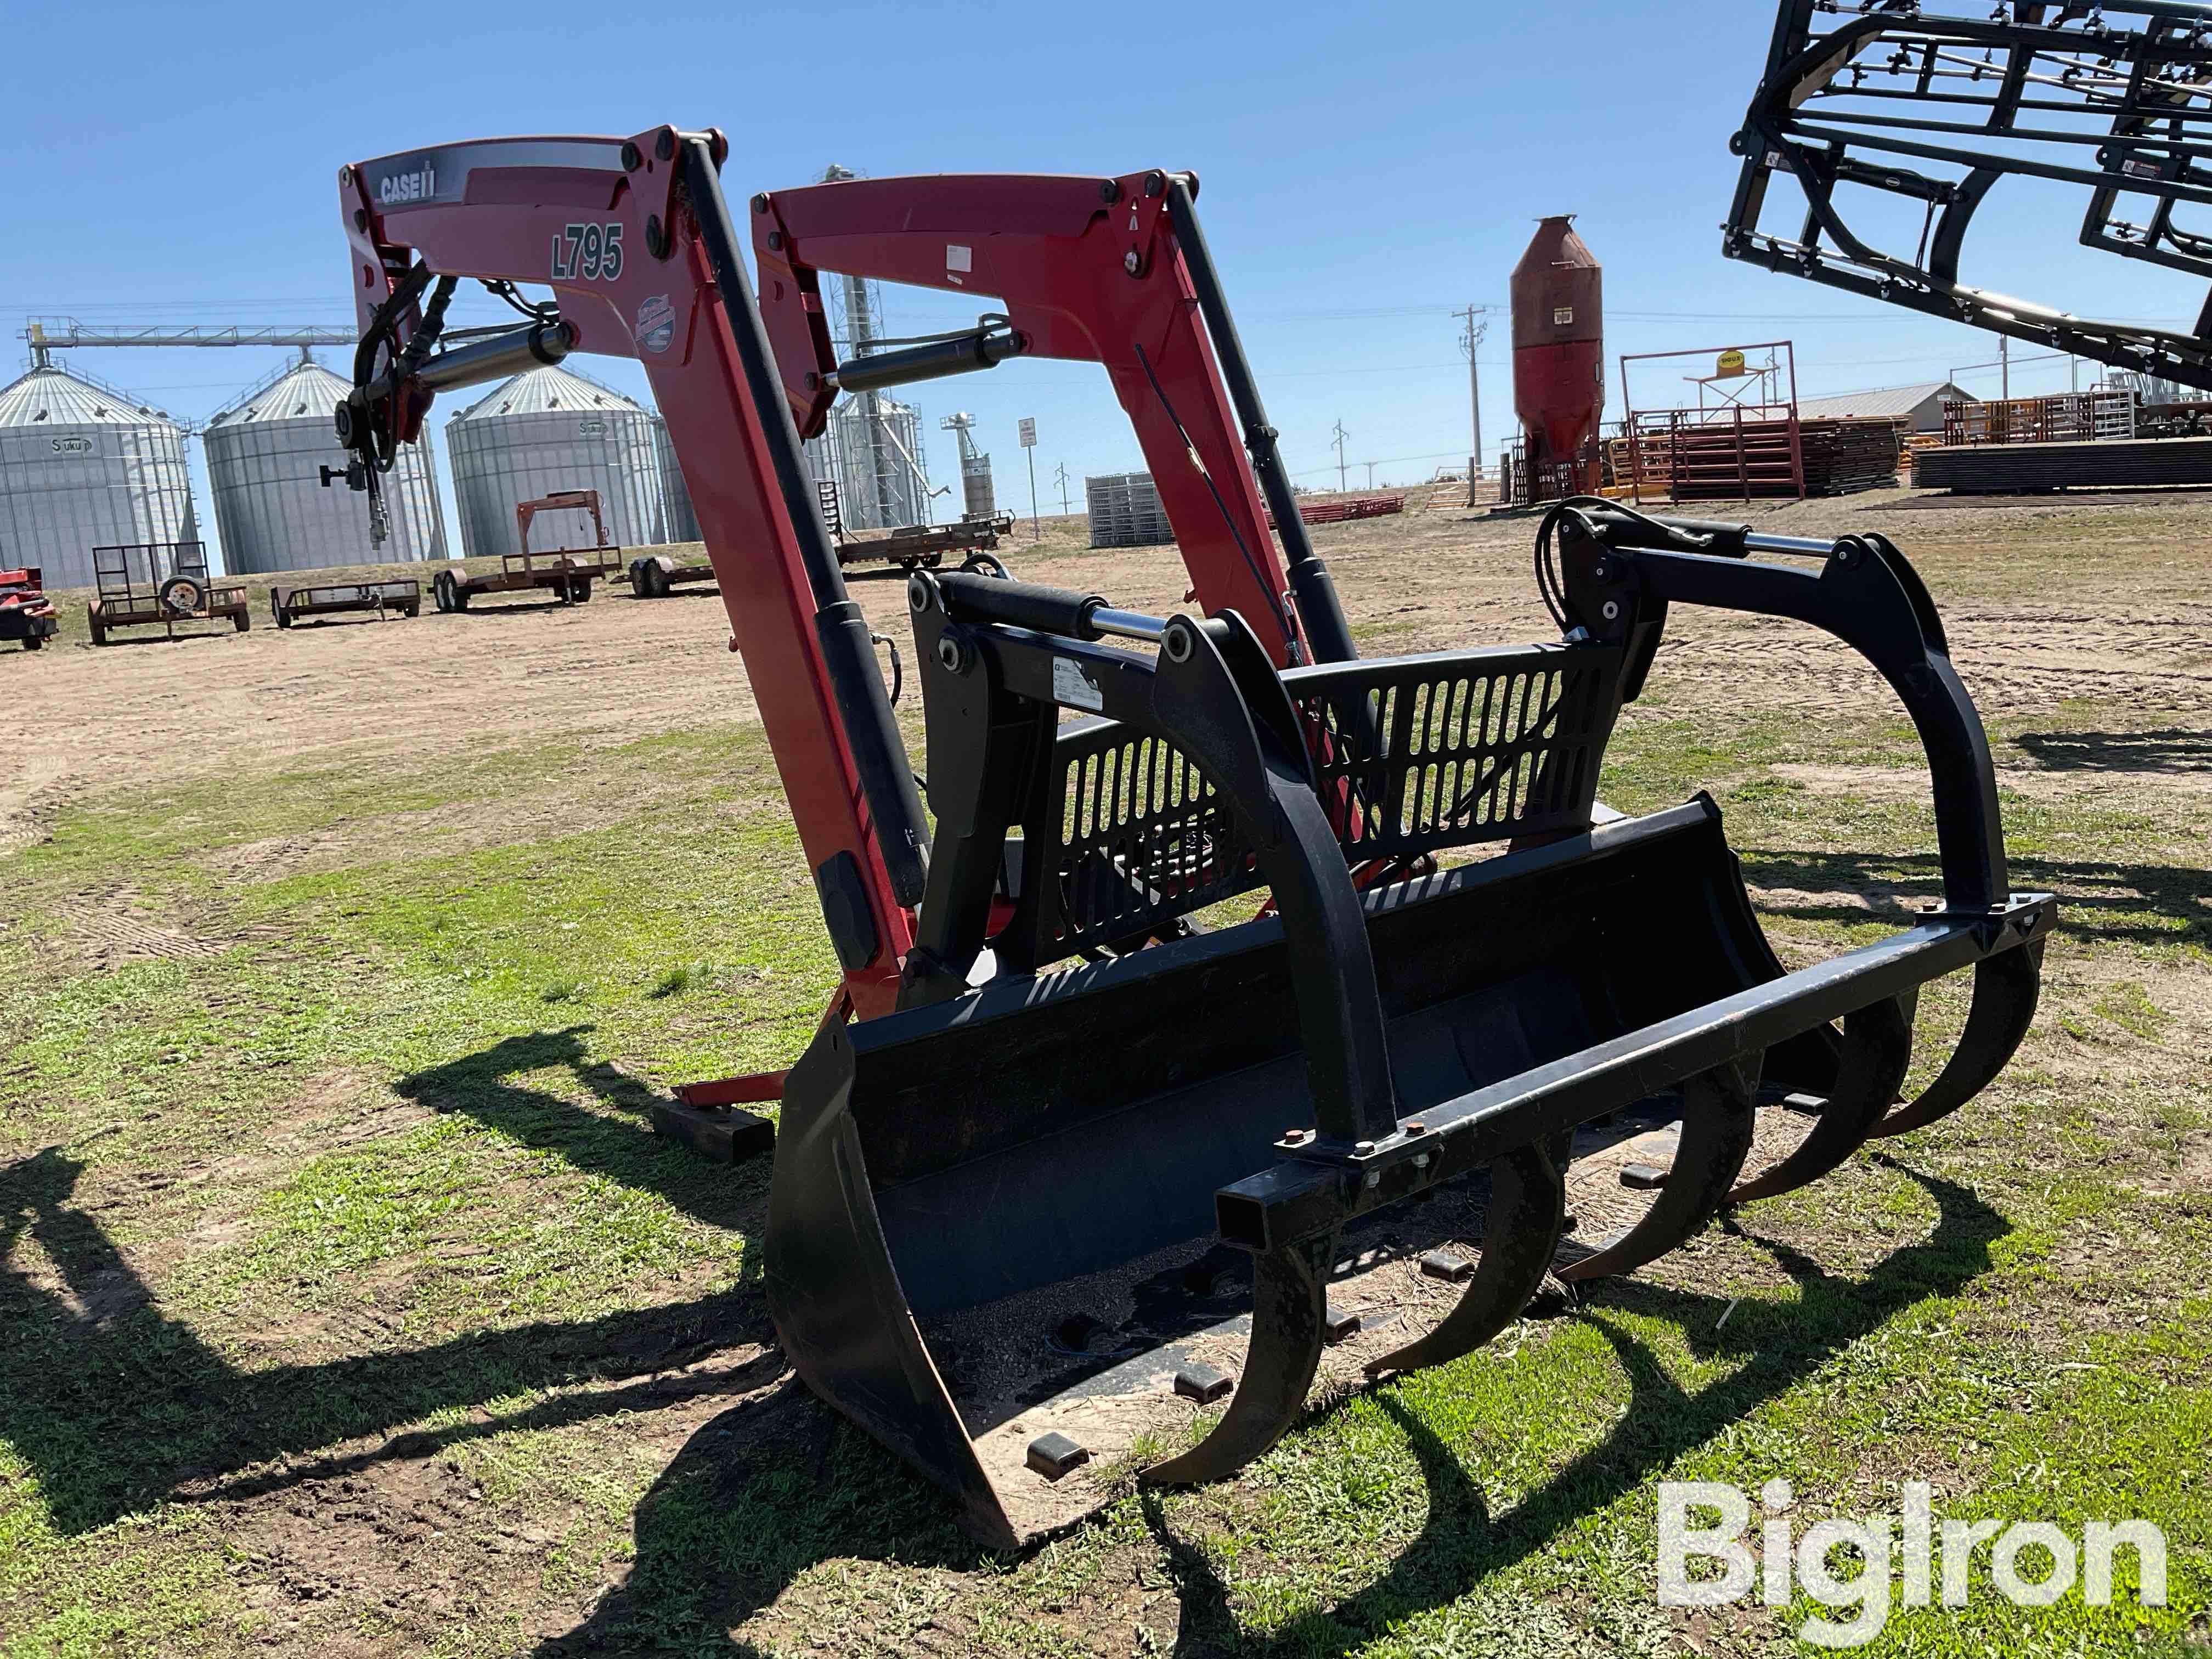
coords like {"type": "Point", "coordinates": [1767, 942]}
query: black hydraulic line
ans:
{"type": "Point", "coordinates": [886, 775]}
{"type": "Point", "coordinates": [1327, 634]}
{"type": "Point", "coordinates": [963, 353]}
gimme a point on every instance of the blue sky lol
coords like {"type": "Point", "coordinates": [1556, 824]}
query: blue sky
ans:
{"type": "Point", "coordinates": [1366, 173]}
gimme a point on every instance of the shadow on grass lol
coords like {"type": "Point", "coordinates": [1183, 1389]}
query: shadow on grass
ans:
{"type": "Point", "coordinates": [2149, 903]}
{"type": "Point", "coordinates": [721, 1533]}
{"type": "Point", "coordinates": [2172, 750]}
{"type": "Point", "coordinates": [1462, 1542]}
{"type": "Point", "coordinates": [114, 1404]}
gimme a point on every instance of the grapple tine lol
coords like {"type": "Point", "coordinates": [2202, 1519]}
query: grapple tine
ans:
{"type": "Point", "coordinates": [1289, 1303]}
{"type": "Point", "coordinates": [1527, 1206]}
{"type": "Point", "coordinates": [1718, 1118]}
{"type": "Point", "coordinates": [1877, 1049]}
{"type": "Point", "coordinates": [2006, 987]}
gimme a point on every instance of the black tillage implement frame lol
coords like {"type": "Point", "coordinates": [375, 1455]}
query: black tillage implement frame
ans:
{"type": "Point", "coordinates": [989, 1139]}
{"type": "Point", "coordinates": [1937, 103]}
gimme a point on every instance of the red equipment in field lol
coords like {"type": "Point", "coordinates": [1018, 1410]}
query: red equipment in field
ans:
{"type": "Point", "coordinates": [1041, 1092]}
{"type": "Point", "coordinates": [1559, 358]}
{"type": "Point", "coordinates": [26, 612]}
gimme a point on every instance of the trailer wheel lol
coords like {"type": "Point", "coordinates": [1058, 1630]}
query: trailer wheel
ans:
{"type": "Point", "coordinates": [183, 596]}
{"type": "Point", "coordinates": [99, 628]}
{"type": "Point", "coordinates": [986, 564]}
{"type": "Point", "coordinates": [33, 642]}
{"type": "Point", "coordinates": [283, 616]}
{"type": "Point", "coordinates": [579, 590]}
{"type": "Point", "coordinates": [240, 620]}
{"type": "Point", "coordinates": [441, 591]}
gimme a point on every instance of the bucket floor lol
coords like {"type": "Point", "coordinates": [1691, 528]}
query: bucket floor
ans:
{"type": "Point", "coordinates": [1095, 1359]}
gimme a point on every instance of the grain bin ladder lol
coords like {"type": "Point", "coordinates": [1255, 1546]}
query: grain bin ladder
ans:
{"type": "Point", "coordinates": [1036, 1112]}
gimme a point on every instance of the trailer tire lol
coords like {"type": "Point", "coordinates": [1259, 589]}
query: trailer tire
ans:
{"type": "Point", "coordinates": [578, 590]}
{"type": "Point", "coordinates": [33, 642]}
{"type": "Point", "coordinates": [441, 591]}
{"type": "Point", "coordinates": [99, 628]}
{"type": "Point", "coordinates": [284, 618]}
{"type": "Point", "coordinates": [183, 596]}
{"type": "Point", "coordinates": [241, 620]}
{"type": "Point", "coordinates": [986, 564]}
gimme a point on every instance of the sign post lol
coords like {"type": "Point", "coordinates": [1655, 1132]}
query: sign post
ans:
{"type": "Point", "coordinates": [1028, 442]}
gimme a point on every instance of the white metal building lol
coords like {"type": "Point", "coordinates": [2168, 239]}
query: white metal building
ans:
{"type": "Point", "coordinates": [85, 466]}
{"type": "Point", "coordinates": [1923, 403]}
{"type": "Point", "coordinates": [264, 457]}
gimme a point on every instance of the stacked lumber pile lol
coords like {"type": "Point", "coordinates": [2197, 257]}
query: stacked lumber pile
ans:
{"type": "Point", "coordinates": [1345, 507]}
{"type": "Point", "coordinates": [1845, 455]}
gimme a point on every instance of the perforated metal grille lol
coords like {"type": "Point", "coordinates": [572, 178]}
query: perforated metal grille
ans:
{"type": "Point", "coordinates": [1411, 755]}
{"type": "Point", "coordinates": [1421, 753]}
{"type": "Point", "coordinates": [1143, 834]}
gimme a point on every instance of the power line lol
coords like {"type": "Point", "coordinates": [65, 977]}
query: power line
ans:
{"type": "Point", "coordinates": [1341, 434]}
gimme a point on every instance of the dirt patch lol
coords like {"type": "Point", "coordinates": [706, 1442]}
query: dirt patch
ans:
{"type": "Point", "coordinates": [113, 929]}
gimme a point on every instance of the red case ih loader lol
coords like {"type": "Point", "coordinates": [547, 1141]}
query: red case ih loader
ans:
{"type": "Point", "coordinates": [26, 612]}
{"type": "Point", "coordinates": [1040, 1097]}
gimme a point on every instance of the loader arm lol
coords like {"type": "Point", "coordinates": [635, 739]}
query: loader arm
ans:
{"type": "Point", "coordinates": [637, 242]}
{"type": "Point", "coordinates": [1107, 270]}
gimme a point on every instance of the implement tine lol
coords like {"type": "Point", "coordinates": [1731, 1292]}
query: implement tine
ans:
{"type": "Point", "coordinates": [2006, 986]}
{"type": "Point", "coordinates": [1527, 1205]}
{"type": "Point", "coordinates": [1289, 1301]}
{"type": "Point", "coordinates": [1877, 1049]}
{"type": "Point", "coordinates": [1719, 1117]}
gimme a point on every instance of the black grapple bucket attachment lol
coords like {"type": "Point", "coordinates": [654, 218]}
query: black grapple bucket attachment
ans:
{"type": "Point", "coordinates": [1082, 1203]}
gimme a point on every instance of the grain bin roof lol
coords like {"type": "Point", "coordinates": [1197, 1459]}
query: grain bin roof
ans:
{"type": "Point", "coordinates": [308, 390]}
{"type": "Point", "coordinates": [546, 390]}
{"type": "Point", "coordinates": [54, 397]}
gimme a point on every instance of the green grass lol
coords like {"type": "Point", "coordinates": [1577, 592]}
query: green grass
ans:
{"type": "Point", "coordinates": [337, 1238]}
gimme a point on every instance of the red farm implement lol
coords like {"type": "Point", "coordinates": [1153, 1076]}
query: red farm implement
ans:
{"type": "Point", "coordinates": [25, 613]}
{"type": "Point", "coordinates": [1060, 1165]}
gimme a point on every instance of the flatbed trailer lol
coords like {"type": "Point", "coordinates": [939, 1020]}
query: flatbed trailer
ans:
{"type": "Point", "coordinates": [910, 547]}
{"type": "Point", "coordinates": [160, 584]}
{"type": "Point", "coordinates": [383, 599]}
{"type": "Point", "coordinates": [568, 573]}
{"type": "Point", "coordinates": [25, 613]}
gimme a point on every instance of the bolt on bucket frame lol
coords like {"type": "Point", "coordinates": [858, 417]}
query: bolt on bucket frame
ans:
{"type": "Point", "coordinates": [1267, 1086]}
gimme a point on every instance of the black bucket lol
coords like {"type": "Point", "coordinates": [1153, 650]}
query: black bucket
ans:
{"type": "Point", "coordinates": [1056, 1128]}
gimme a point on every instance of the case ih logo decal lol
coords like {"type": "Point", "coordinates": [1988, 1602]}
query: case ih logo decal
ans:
{"type": "Point", "coordinates": [420, 186]}
{"type": "Point", "coordinates": [656, 323]}
{"type": "Point", "coordinates": [593, 252]}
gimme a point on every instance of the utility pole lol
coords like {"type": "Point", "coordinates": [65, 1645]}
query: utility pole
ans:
{"type": "Point", "coordinates": [1370, 465]}
{"type": "Point", "coordinates": [1470, 341]}
{"type": "Point", "coordinates": [2004, 367]}
{"type": "Point", "coordinates": [1341, 434]}
{"type": "Point", "coordinates": [1059, 477]}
